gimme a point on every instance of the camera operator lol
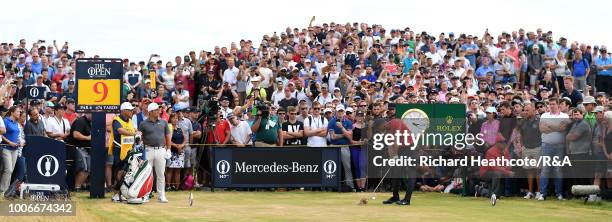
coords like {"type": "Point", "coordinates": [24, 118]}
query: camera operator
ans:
{"type": "Point", "coordinates": [266, 126]}
{"type": "Point", "coordinates": [220, 133]}
{"type": "Point", "coordinates": [228, 92]}
{"type": "Point", "coordinates": [225, 109]}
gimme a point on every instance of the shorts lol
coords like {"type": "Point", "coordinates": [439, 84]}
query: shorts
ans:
{"type": "Point", "coordinates": [533, 153]}
{"type": "Point", "coordinates": [109, 159]}
{"type": "Point", "coordinates": [600, 165]}
{"type": "Point", "coordinates": [83, 159]}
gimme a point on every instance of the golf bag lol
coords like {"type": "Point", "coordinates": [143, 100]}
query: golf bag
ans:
{"type": "Point", "coordinates": [138, 181]}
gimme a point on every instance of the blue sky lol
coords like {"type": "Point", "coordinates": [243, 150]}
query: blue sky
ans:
{"type": "Point", "coordinates": [135, 29]}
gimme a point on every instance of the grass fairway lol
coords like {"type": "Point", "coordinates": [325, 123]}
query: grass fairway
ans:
{"type": "Point", "coordinates": [328, 206]}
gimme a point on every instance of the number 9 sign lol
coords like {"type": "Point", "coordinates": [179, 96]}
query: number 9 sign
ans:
{"type": "Point", "coordinates": [99, 91]}
{"type": "Point", "coordinates": [100, 88]}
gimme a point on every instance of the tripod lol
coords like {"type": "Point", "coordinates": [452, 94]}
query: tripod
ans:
{"type": "Point", "coordinates": [203, 158]}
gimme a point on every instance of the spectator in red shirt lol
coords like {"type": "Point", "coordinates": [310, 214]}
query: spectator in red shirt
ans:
{"type": "Point", "coordinates": [221, 133]}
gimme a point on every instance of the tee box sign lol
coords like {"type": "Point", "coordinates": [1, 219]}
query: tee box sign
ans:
{"type": "Point", "coordinates": [98, 85]}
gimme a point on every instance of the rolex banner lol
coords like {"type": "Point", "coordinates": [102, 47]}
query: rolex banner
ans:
{"type": "Point", "coordinates": [433, 119]}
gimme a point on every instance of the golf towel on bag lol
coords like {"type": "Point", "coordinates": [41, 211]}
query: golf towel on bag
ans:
{"type": "Point", "coordinates": [138, 181]}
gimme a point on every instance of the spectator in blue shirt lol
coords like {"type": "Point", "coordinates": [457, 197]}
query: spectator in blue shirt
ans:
{"type": "Point", "coordinates": [470, 49]}
{"type": "Point", "coordinates": [408, 61]}
{"type": "Point", "coordinates": [341, 133]}
{"type": "Point", "coordinates": [36, 64]}
{"type": "Point", "coordinates": [370, 75]}
{"type": "Point", "coordinates": [10, 143]}
{"type": "Point", "coordinates": [581, 71]}
{"type": "Point", "coordinates": [603, 82]}
{"type": "Point", "coordinates": [486, 67]}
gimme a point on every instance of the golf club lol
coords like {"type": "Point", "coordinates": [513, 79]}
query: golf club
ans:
{"type": "Point", "coordinates": [364, 200]}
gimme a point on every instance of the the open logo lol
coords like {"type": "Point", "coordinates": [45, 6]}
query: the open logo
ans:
{"type": "Point", "coordinates": [329, 167]}
{"type": "Point", "coordinates": [50, 167]}
{"type": "Point", "coordinates": [223, 167]}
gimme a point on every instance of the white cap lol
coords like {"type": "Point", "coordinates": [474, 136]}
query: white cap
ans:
{"type": "Point", "coordinates": [152, 106]}
{"type": "Point", "coordinates": [126, 106]}
{"type": "Point", "coordinates": [147, 81]}
{"type": "Point", "coordinates": [340, 107]}
{"type": "Point", "coordinates": [349, 109]}
{"type": "Point", "coordinates": [326, 110]}
{"type": "Point", "coordinates": [307, 60]}
{"type": "Point", "coordinates": [255, 79]}
{"type": "Point", "coordinates": [491, 109]}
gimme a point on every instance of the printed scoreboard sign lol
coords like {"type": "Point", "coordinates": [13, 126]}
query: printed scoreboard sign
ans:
{"type": "Point", "coordinates": [98, 85]}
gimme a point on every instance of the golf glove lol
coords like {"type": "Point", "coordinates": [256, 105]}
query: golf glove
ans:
{"type": "Point", "coordinates": [168, 154]}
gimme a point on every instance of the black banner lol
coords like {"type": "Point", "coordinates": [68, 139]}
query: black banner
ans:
{"type": "Point", "coordinates": [36, 92]}
{"type": "Point", "coordinates": [46, 160]}
{"type": "Point", "coordinates": [276, 167]}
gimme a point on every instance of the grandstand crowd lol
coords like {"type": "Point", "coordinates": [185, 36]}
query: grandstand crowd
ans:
{"type": "Point", "coordinates": [530, 93]}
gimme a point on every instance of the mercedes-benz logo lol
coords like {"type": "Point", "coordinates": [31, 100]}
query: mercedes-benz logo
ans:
{"type": "Point", "coordinates": [223, 167]}
{"type": "Point", "coordinates": [34, 92]}
{"type": "Point", "coordinates": [49, 161]}
{"type": "Point", "coordinates": [329, 167]}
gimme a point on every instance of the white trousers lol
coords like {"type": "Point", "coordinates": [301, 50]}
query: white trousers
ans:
{"type": "Point", "coordinates": [156, 158]}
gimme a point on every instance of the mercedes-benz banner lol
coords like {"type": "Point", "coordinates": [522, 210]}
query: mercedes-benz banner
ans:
{"type": "Point", "coordinates": [276, 167]}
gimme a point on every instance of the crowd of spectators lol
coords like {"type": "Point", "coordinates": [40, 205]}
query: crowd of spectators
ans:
{"type": "Point", "coordinates": [323, 84]}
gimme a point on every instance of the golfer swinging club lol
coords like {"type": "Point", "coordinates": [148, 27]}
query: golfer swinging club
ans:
{"type": "Point", "coordinates": [399, 174]}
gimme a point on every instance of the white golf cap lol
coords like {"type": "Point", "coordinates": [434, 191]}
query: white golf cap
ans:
{"type": "Point", "coordinates": [126, 106]}
{"type": "Point", "coordinates": [152, 106]}
{"type": "Point", "coordinates": [339, 107]}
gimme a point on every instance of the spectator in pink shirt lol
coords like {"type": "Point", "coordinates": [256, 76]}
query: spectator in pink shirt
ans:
{"type": "Point", "coordinates": [490, 128]}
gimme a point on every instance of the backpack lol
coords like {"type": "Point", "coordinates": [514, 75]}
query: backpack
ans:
{"type": "Point", "coordinates": [585, 63]}
{"type": "Point", "coordinates": [310, 120]}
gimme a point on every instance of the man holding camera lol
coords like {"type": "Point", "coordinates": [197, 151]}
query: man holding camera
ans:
{"type": "Point", "coordinates": [266, 126]}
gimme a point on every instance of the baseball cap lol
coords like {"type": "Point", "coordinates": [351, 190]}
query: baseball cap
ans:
{"type": "Point", "coordinates": [491, 109]}
{"type": "Point", "coordinates": [59, 106]}
{"type": "Point", "coordinates": [326, 110]}
{"type": "Point", "coordinates": [152, 106]}
{"type": "Point", "coordinates": [50, 104]}
{"type": "Point", "coordinates": [340, 107]}
{"type": "Point", "coordinates": [126, 106]}
{"type": "Point", "coordinates": [307, 61]}
{"type": "Point", "coordinates": [599, 109]}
